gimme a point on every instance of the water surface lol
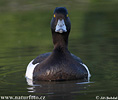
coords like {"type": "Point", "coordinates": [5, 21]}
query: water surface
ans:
{"type": "Point", "coordinates": [25, 33]}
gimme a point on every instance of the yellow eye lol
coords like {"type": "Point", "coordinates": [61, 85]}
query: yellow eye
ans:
{"type": "Point", "coordinates": [54, 16]}
{"type": "Point", "coordinates": [67, 15]}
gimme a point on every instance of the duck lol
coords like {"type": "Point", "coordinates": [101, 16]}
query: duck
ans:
{"type": "Point", "coordinates": [60, 64]}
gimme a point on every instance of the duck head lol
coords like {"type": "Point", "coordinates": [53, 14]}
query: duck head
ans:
{"type": "Point", "coordinates": [60, 25]}
{"type": "Point", "coordinates": [60, 22]}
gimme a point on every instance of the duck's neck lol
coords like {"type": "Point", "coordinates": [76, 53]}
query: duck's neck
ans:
{"type": "Point", "coordinates": [60, 41]}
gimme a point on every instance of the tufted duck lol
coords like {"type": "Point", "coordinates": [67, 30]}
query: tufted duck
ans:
{"type": "Point", "coordinates": [60, 64]}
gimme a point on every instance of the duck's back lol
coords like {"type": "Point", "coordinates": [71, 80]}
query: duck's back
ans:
{"type": "Point", "coordinates": [59, 66]}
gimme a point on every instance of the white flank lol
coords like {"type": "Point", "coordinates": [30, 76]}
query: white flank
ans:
{"type": "Point", "coordinates": [30, 69]}
{"type": "Point", "coordinates": [29, 81]}
{"type": "Point", "coordinates": [89, 75]}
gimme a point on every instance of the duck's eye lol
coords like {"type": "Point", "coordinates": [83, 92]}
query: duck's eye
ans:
{"type": "Point", "coordinates": [54, 16]}
{"type": "Point", "coordinates": [67, 15]}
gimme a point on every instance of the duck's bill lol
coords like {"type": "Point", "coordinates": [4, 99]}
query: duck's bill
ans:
{"type": "Point", "coordinates": [60, 31]}
{"type": "Point", "coordinates": [60, 27]}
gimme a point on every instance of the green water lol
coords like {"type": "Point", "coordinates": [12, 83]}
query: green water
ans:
{"type": "Point", "coordinates": [25, 33]}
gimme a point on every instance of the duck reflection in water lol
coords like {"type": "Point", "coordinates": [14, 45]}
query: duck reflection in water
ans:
{"type": "Point", "coordinates": [56, 90]}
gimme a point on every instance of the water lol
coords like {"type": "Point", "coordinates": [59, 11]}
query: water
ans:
{"type": "Point", "coordinates": [25, 33]}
